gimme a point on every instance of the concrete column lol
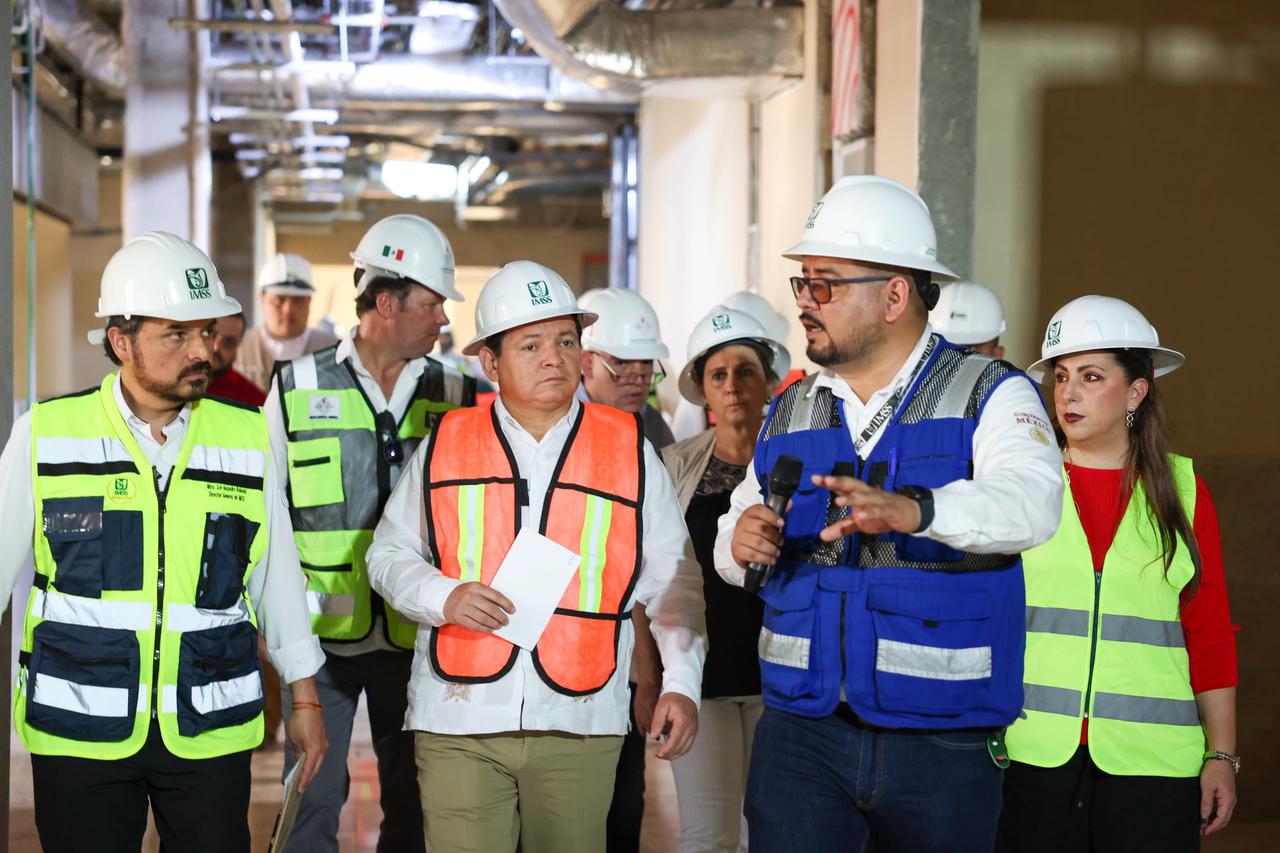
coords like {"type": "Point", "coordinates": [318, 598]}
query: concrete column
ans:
{"type": "Point", "coordinates": [927, 112]}
{"type": "Point", "coordinates": [693, 242]}
{"type": "Point", "coordinates": [6, 408]}
{"type": "Point", "coordinates": [167, 181]}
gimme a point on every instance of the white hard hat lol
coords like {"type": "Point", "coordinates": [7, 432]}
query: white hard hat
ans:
{"type": "Point", "coordinates": [161, 275]}
{"type": "Point", "coordinates": [585, 297]}
{"type": "Point", "coordinates": [1101, 323]}
{"type": "Point", "coordinates": [626, 326]}
{"type": "Point", "coordinates": [407, 246]}
{"type": "Point", "coordinates": [522, 292]}
{"type": "Point", "coordinates": [775, 325]}
{"type": "Point", "coordinates": [723, 326]}
{"type": "Point", "coordinates": [872, 219]}
{"type": "Point", "coordinates": [286, 274]}
{"type": "Point", "coordinates": [968, 313]}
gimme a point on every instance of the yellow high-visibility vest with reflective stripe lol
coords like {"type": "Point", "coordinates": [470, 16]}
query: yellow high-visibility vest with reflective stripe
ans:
{"type": "Point", "coordinates": [140, 606]}
{"type": "Point", "coordinates": [1110, 644]}
{"type": "Point", "coordinates": [339, 481]}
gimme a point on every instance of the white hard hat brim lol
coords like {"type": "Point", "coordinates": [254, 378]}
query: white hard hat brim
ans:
{"type": "Point", "coordinates": [689, 388]}
{"type": "Point", "coordinates": [1163, 359]}
{"type": "Point", "coordinates": [869, 254]}
{"type": "Point", "coordinates": [204, 309]}
{"type": "Point", "coordinates": [288, 289]}
{"type": "Point", "coordinates": [448, 291]}
{"type": "Point", "coordinates": [632, 352]}
{"type": "Point", "coordinates": [968, 339]}
{"type": "Point", "coordinates": [586, 318]}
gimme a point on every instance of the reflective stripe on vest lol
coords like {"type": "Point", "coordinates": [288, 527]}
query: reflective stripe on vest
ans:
{"type": "Point", "coordinates": [95, 647]}
{"type": "Point", "coordinates": [339, 482]}
{"type": "Point", "coordinates": [1143, 716]}
{"type": "Point", "coordinates": [593, 508]}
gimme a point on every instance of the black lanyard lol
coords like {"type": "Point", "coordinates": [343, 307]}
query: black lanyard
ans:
{"type": "Point", "coordinates": [891, 405]}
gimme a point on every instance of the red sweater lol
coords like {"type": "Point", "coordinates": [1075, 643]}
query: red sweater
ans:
{"type": "Point", "coordinates": [234, 386]}
{"type": "Point", "coordinates": [1206, 617]}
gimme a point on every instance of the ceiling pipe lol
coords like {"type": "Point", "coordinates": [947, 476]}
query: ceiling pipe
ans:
{"type": "Point", "coordinates": [612, 47]}
{"type": "Point", "coordinates": [93, 48]}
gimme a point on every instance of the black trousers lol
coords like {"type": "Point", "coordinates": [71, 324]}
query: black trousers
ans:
{"type": "Point", "coordinates": [86, 804]}
{"type": "Point", "coordinates": [1077, 808]}
{"type": "Point", "coordinates": [626, 812]}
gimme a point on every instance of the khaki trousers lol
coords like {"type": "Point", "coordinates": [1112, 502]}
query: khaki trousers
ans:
{"type": "Point", "coordinates": [547, 791]}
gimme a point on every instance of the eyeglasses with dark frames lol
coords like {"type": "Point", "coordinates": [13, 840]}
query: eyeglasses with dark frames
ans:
{"type": "Point", "coordinates": [820, 288]}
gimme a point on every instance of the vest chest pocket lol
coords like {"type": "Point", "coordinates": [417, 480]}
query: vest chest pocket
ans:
{"type": "Point", "coordinates": [791, 645]}
{"type": "Point", "coordinates": [93, 550]}
{"type": "Point", "coordinates": [315, 472]}
{"type": "Point", "coordinates": [219, 683]}
{"type": "Point", "coordinates": [83, 682]}
{"type": "Point", "coordinates": [929, 472]}
{"type": "Point", "coordinates": [227, 538]}
{"type": "Point", "coordinates": [933, 648]}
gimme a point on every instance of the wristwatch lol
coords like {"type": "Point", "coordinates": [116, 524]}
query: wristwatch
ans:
{"type": "Point", "coordinates": [924, 497]}
{"type": "Point", "coordinates": [1234, 760]}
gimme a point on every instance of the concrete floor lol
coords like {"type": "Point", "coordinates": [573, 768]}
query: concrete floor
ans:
{"type": "Point", "coordinates": [359, 828]}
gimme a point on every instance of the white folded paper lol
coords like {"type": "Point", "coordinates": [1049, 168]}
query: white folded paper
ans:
{"type": "Point", "coordinates": [534, 575]}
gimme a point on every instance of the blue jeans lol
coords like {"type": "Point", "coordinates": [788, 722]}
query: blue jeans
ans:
{"type": "Point", "coordinates": [827, 785]}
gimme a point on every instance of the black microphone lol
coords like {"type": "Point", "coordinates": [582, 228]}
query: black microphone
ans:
{"type": "Point", "coordinates": [783, 483]}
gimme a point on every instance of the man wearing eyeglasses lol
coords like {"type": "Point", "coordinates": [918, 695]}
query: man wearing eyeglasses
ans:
{"type": "Point", "coordinates": [892, 645]}
{"type": "Point", "coordinates": [346, 419]}
{"type": "Point", "coordinates": [620, 363]}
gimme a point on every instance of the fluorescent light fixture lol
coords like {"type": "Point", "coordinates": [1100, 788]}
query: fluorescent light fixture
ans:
{"type": "Point", "coordinates": [478, 168]}
{"type": "Point", "coordinates": [313, 158]}
{"type": "Point", "coordinates": [486, 213]}
{"type": "Point", "coordinates": [245, 154]}
{"type": "Point", "coordinates": [501, 178]}
{"type": "Point", "coordinates": [225, 112]}
{"type": "Point", "coordinates": [332, 140]}
{"type": "Point", "coordinates": [426, 181]}
{"type": "Point", "coordinates": [242, 138]}
{"type": "Point", "coordinates": [311, 173]}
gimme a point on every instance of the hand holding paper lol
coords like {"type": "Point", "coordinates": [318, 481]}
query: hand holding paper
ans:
{"type": "Point", "coordinates": [534, 575]}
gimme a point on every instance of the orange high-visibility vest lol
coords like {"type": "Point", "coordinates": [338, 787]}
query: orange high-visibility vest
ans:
{"type": "Point", "coordinates": [473, 495]}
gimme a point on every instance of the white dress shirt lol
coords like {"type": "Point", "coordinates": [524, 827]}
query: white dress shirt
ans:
{"type": "Point", "coordinates": [669, 586]}
{"type": "Point", "coordinates": [286, 349]}
{"type": "Point", "coordinates": [276, 587]}
{"type": "Point", "coordinates": [1011, 504]}
{"type": "Point", "coordinates": [401, 397]}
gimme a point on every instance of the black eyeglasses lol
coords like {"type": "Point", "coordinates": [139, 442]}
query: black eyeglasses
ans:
{"type": "Point", "coordinates": [820, 288]}
{"type": "Point", "coordinates": [389, 439]}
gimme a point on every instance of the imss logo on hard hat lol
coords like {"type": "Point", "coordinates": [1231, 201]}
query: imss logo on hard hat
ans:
{"type": "Point", "coordinates": [1054, 336]}
{"type": "Point", "coordinates": [539, 293]}
{"type": "Point", "coordinates": [813, 216]}
{"type": "Point", "coordinates": [720, 322]}
{"type": "Point", "coordinates": [198, 283]}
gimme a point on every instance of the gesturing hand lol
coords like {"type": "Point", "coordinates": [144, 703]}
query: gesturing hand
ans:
{"type": "Point", "coordinates": [478, 607]}
{"type": "Point", "coordinates": [872, 509]}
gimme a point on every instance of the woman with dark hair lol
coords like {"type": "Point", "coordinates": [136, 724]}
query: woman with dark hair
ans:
{"type": "Point", "coordinates": [1128, 732]}
{"type": "Point", "coordinates": [733, 368]}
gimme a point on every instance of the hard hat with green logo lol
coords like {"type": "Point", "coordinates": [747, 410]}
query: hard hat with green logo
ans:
{"type": "Point", "coordinates": [161, 275]}
{"type": "Point", "coordinates": [407, 246]}
{"type": "Point", "coordinates": [520, 293]}
{"type": "Point", "coordinates": [1102, 323]}
{"type": "Point", "coordinates": [720, 328]}
{"type": "Point", "coordinates": [876, 220]}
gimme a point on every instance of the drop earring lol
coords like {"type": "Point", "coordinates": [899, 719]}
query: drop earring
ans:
{"type": "Point", "coordinates": [1128, 419]}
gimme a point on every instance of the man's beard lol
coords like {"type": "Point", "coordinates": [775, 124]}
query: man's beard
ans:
{"type": "Point", "coordinates": [173, 392]}
{"type": "Point", "coordinates": [853, 349]}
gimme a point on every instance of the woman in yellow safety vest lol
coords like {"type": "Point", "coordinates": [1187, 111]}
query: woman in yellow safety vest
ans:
{"type": "Point", "coordinates": [1128, 731]}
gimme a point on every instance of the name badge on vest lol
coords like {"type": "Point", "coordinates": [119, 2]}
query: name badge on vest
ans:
{"type": "Point", "coordinates": [324, 407]}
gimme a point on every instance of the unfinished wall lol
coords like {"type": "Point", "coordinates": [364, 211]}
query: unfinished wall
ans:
{"type": "Point", "coordinates": [53, 301]}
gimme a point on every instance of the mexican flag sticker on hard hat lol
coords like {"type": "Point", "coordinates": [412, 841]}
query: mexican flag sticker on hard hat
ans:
{"type": "Point", "coordinates": [394, 254]}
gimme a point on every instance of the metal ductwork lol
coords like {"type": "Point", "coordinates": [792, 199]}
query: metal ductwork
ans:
{"type": "Point", "coordinates": [92, 47]}
{"type": "Point", "coordinates": [610, 46]}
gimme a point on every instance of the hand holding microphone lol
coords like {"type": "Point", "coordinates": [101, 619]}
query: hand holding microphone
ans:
{"type": "Point", "coordinates": [757, 538]}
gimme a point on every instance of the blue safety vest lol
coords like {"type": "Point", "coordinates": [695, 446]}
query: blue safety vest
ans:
{"type": "Point", "coordinates": [910, 632]}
